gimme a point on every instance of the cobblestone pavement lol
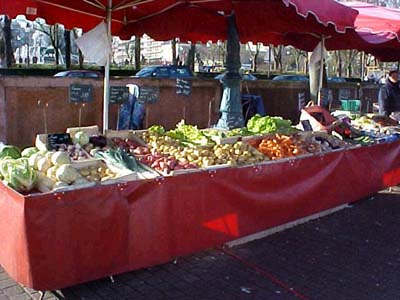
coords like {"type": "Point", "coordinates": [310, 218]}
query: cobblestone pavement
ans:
{"type": "Point", "coordinates": [353, 254]}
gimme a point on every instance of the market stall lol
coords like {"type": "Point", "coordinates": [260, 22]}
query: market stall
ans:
{"type": "Point", "coordinates": [77, 233]}
{"type": "Point", "coordinates": [66, 232]}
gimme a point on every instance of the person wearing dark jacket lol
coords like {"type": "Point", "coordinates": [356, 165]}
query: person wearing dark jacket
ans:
{"type": "Point", "coordinates": [389, 95]}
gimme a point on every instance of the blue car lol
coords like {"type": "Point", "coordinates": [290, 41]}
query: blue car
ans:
{"type": "Point", "coordinates": [164, 72]}
{"type": "Point", "coordinates": [290, 78]}
{"type": "Point", "coordinates": [245, 76]}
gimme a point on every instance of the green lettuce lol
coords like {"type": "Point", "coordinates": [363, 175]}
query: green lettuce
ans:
{"type": "Point", "coordinates": [157, 129]}
{"type": "Point", "coordinates": [189, 134]}
{"type": "Point", "coordinates": [262, 125]}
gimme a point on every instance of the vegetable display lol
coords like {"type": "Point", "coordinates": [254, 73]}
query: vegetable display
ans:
{"type": "Point", "coordinates": [132, 155]}
{"type": "Point", "coordinates": [203, 156]}
{"type": "Point", "coordinates": [264, 125]}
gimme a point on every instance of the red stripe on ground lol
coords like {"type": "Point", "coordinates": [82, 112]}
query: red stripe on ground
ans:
{"type": "Point", "coordinates": [265, 274]}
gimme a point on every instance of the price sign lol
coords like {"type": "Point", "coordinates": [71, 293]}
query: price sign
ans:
{"type": "Point", "coordinates": [183, 87]}
{"type": "Point", "coordinates": [149, 94]}
{"type": "Point", "coordinates": [119, 94]}
{"type": "Point", "coordinates": [80, 93]}
{"type": "Point", "coordinates": [54, 140]}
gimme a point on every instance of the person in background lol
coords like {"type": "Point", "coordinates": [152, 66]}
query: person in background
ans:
{"type": "Point", "coordinates": [389, 95]}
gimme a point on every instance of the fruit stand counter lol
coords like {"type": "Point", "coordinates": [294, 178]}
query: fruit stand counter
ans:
{"type": "Point", "coordinates": [55, 240]}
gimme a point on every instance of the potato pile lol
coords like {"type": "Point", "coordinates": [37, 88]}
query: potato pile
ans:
{"type": "Point", "coordinates": [97, 173]}
{"type": "Point", "coordinates": [238, 153]}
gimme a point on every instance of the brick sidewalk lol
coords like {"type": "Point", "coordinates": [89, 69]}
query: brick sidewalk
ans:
{"type": "Point", "coordinates": [353, 254]}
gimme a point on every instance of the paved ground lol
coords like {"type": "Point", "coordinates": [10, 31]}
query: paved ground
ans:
{"type": "Point", "coordinates": [353, 254]}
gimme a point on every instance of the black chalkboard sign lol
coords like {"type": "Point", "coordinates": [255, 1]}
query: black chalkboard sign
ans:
{"type": "Point", "coordinates": [306, 125]}
{"type": "Point", "coordinates": [119, 94]}
{"type": "Point", "coordinates": [54, 140]}
{"type": "Point", "coordinates": [183, 87]}
{"type": "Point", "coordinates": [149, 94]}
{"type": "Point", "coordinates": [80, 93]}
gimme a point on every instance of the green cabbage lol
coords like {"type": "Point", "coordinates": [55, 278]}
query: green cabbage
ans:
{"type": "Point", "coordinates": [80, 138]}
{"type": "Point", "coordinates": [10, 151]}
{"type": "Point", "coordinates": [59, 158]}
{"type": "Point", "coordinates": [18, 174]}
{"type": "Point", "coordinates": [28, 152]}
{"type": "Point", "coordinates": [67, 174]}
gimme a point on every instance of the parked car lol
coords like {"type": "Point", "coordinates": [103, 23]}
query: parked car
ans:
{"type": "Point", "coordinates": [246, 76]}
{"type": "Point", "coordinates": [337, 79]}
{"type": "Point", "coordinates": [291, 78]}
{"type": "Point", "coordinates": [164, 72]}
{"type": "Point", "coordinates": [80, 74]}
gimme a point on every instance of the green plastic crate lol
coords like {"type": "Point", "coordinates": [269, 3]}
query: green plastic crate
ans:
{"type": "Point", "coordinates": [351, 105]}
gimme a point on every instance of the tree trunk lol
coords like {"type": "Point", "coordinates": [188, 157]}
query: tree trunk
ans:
{"type": "Point", "coordinates": [80, 54]}
{"type": "Point", "coordinates": [138, 58]}
{"type": "Point", "coordinates": [190, 57]}
{"type": "Point", "coordinates": [340, 62]}
{"type": "Point", "coordinates": [255, 57]}
{"type": "Point", "coordinates": [278, 58]}
{"type": "Point", "coordinates": [362, 64]}
{"type": "Point", "coordinates": [67, 38]}
{"type": "Point", "coordinates": [54, 41]}
{"type": "Point", "coordinates": [174, 58]}
{"type": "Point", "coordinates": [7, 37]}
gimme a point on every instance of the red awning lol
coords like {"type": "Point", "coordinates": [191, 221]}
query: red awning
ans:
{"type": "Point", "coordinates": [196, 20]}
{"type": "Point", "coordinates": [376, 32]}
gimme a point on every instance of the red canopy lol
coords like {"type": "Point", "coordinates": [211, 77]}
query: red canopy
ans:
{"type": "Point", "coordinates": [376, 24]}
{"type": "Point", "coordinates": [197, 20]}
{"type": "Point", "coordinates": [379, 30]}
{"type": "Point", "coordinates": [376, 31]}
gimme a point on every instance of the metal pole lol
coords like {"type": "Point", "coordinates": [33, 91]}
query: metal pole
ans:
{"type": "Point", "coordinates": [269, 61]}
{"type": "Point", "coordinates": [107, 72]}
{"type": "Point", "coordinates": [321, 70]}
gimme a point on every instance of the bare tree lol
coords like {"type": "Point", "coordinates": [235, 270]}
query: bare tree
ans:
{"type": "Point", "coordinates": [9, 56]}
{"type": "Point", "coordinates": [138, 59]}
{"type": "Point", "coordinates": [67, 38]}
{"type": "Point", "coordinates": [298, 56]}
{"type": "Point", "coordinates": [80, 54]}
{"type": "Point", "coordinates": [191, 56]}
{"type": "Point", "coordinates": [278, 57]}
{"type": "Point", "coordinates": [352, 54]}
{"type": "Point", "coordinates": [222, 52]}
{"type": "Point", "coordinates": [254, 55]}
{"type": "Point", "coordinates": [52, 32]}
{"type": "Point", "coordinates": [130, 50]}
{"type": "Point", "coordinates": [174, 56]}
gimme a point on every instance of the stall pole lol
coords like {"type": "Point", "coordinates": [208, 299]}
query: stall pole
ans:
{"type": "Point", "coordinates": [210, 111]}
{"type": "Point", "coordinates": [321, 70]}
{"type": "Point", "coordinates": [107, 71]}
